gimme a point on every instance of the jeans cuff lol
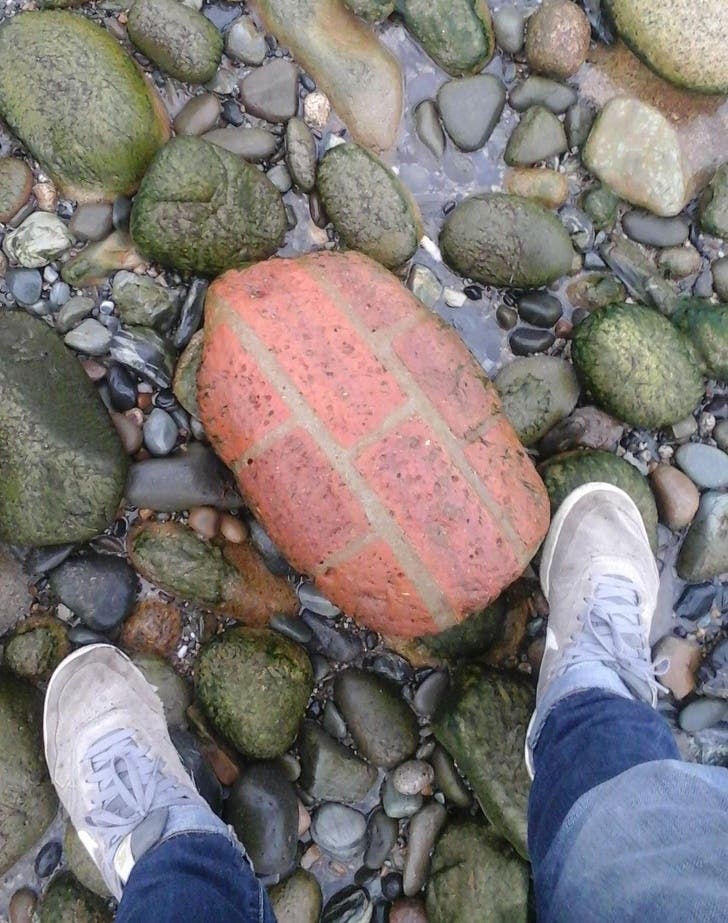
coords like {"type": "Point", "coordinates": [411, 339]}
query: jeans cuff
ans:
{"type": "Point", "coordinates": [198, 819]}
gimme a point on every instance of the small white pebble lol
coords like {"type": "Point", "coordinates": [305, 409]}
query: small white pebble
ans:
{"type": "Point", "coordinates": [454, 298]}
{"type": "Point", "coordinates": [429, 246]}
{"type": "Point", "coordinates": [182, 652]}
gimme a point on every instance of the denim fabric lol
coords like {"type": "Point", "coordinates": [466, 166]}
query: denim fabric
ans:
{"type": "Point", "coordinates": [619, 829]}
{"type": "Point", "coordinates": [194, 878]}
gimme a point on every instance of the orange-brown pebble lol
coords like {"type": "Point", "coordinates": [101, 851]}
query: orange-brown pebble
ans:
{"type": "Point", "coordinates": [154, 627]}
{"type": "Point", "coordinates": [204, 520]}
{"type": "Point", "coordinates": [310, 857]}
{"type": "Point", "coordinates": [144, 401]}
{"type": "Point", "coordinates": [233, 529]}
{"type": "Point", "coordinates": [304, 819]}
{"type": "Point", "coordinates": [408, 911]}
{"type": "Point", "coordinates": [129, 433]}
{"type": "Point", "coordinates": [22, 905]}
{"type": "Point", "coordinates": [93, 369]}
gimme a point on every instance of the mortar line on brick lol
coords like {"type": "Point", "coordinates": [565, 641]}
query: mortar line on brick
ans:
{"type": "Point", "coordinates": [402, 413]}
{"type": "Point", "coordinates": [382, 523]}
{"type": "Point", "coordinates": [337, 558]}
{"type": "Point", "coordinates": [265, 442]}
{"type": "Point", "coordinates": [429, 413]}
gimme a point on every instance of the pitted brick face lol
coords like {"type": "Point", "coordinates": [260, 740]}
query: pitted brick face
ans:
{"type": "Point", "coordinates": [368, 441]}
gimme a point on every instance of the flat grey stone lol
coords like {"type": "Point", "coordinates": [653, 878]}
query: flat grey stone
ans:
{"type": "Point", "coordinates": [90, 337]}
{"type": "Point", "coordinates": [471, 107]}
{"type": "Point", "coordinates": [271, 91]}
{"type": "Point", "coordinates": [706, 466]}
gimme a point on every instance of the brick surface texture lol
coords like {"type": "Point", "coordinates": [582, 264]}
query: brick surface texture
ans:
{"type": "Point", "coordinates": [368, 441]}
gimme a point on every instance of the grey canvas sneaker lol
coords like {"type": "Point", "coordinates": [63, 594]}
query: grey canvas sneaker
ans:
{"type": "Point", "coordinates": [113, 764]}
{"type": "Point", "coordinates": [601, 581]}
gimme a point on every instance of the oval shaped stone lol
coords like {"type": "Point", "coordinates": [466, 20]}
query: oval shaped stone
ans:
{"type": "Point", "coordinates": [418, 524]}
{"type": "Point", "coordinates": [457, 34]}
{"type": "Point", "coordinates": [506, 240]}
{"type": "Point", "coordinates": [51, 64]}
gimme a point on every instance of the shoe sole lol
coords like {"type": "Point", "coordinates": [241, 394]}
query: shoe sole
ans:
{"type": "Point", "coordinates": [557, 524]}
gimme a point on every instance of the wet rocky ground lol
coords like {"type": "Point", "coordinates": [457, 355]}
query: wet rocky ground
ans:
{"type": "Point", "coordinates": [594, 294]}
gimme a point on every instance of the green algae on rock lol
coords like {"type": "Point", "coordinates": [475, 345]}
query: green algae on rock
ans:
{"type": "Point", "coordinates": [28, 801]}
{"type": "Point", "coordinates": [298, 899]}
{"type": "Point", "coordinates": [179, 40]}
{"type": "Point", "coordinates": [706, 324]}
{"type": "Point", "coordinates": [62, 466]}
{"type": "Point", "coordinates": [713, 205]}
{"type": "Point", "coordinates": [254, 685]}
{"type": "Point", "coordinates": [202, 209]}
{"type": "Point", "coordinates": [36, 648]}
{"type": "Point", "coordinates": [482, 724]}
{"type": "Point", "coordinates": [475, 875]}
{"type": "Point", "coordinates": [683, 41]}
{"type": "Point", "coordinates": [457, 34]}
{"type": "Point", "coordinates": [52, 65]}
{"type": "Point", "coordinates": [184, 384]}
{"type": "Point", "coordinates": [637, 365]}
{"type": "Point", "coordinates": [537, 393]}
{"type": "Point", "coordinates": [359, 75]}
{"type": "Point", "coordinates": [506, 240]}
{"type": "Point", "coordinates": [93, 264]}
{"type": "Point", "coordinates": [66, 901]}
{"type": "Point", "coordinates": [372, 10]}
{"type": "Point", "coordinates": [564, 473]}
{"type": "Point", "coordinates": [370, 208]}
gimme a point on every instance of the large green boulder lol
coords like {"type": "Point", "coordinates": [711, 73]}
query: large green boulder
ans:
{"type": "Point", "coordinates": [704, 553]}
{"type": "Point", "coordinates": [457, 34]}
{"type": "Point", "coordinates": [682, 40]}
{"type": "Point", "coordinates": [706, 324]}
{"type": "Point", "coordinates": [564, 473]}
{"type": "Point", "coordinates": [66, 901]}
{"type": "Point", "coordinates": [202, 209]}
{"type": "Point", "coordinates": [482, 723]}
{"type": "Point", "coordinates": [537, 392]}
{"type": "Point", "coordinates": [473, 636]}
{"type": "Point", "coordinates": [506, 240]}
{"type": "Point", "coordinates": [179, 40]}
{"type": "Point", "coordinates": [28, 802]}
{"type": "Point", "coordinates": [370, 208]}
{"type": "Point", "coordinates": [475, 877]}
{"type": "Point", "coordinates": [79, 103]}
{"type": "Point", "coordinates": [254, 685]}
{"type": "Point", "coordinates": [638, 366]}
{"type": "Point", "coordinates": [62, 466]}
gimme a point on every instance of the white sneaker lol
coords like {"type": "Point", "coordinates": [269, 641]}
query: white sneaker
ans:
{"type": "Point", "coordinates": [601, 582]}
{"type": "Point", "coordinates": [112, 762]}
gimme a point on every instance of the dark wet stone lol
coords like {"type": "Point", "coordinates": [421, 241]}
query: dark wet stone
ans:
{"type": "Point", "coordinates": [145, 352]}
{"type": "Point", "coordinates": [526, 341]}
{"type": "Point", "coordinates": [392, 886]}
{"type": "Point", "coordinates": [190, 315]}
{"type": "Point", "coordinates": [25, 285]}
{"type": "Point", "coordinates": [263, 544]}
{"type": "Point", "coordinates": [48, 858]}
{"type": "Point", "coordinates": [428, 127]}
{"type": "Point", "coordinates": [271, 91]}
{"type": "Point", "coordinates": [539, 309]}
{"type": "Point", "coordinates": [506, 316]}
{"type": "Point", "coordinates": [100, 589]}
{"type": "Point", "coordinates": [702, 714]}
{"type": "Point", "coordinates": [713, 674]}
{"type": "Point", "coordinates": [654, 231]}
{"type": "Point", "coordinates": [329, 770]}
{"type": "Point", "coordinates": [339, 830]}
{"type": "Point", "coordinates": [206, 782]}
{"type": "Point", "coordinates": [192, 478]}
{"type": "Point", "coordinates": [704, 553]}
{"type": "Point", "coordinates": [122, 387]}
{"type": "Point", "coordinates": [509, 25]}
{"type": "Point", "coordinates": [120, 213]}
{"type": "Point", "coordinates": [313, 600]}
{"type": "Point", "coordinates": [352, 905]}
{"type": "Point", "coordinates": [535, 91]}
{"type": "Point", "coordinates": [382, 832]}
{"type": "Point", "coordinates": [81, 636]}
{"type": "Point", "coordinates": [430, 693]}
{"type": "Point", "coordinates": [291, 627]}
{"type": "Point", "coordinates": [336, 643]}
{"type": "Point", "coordinates": [391, 666]}
{"type": "Point", "coordinates": [579, 227]}
{"type": "Point", "coordinates": [160, 432]}
{"type": "Point", "coordinates": [578, 122]}
{"type": "Point", "coordinates": [538, 136]}
{"type": "Point", "coordinates": [42, 560]}
{"type": "Point", "coordinates": [471, 107]}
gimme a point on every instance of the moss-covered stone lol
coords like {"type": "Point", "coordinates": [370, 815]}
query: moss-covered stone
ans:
{"type": "Point", "coordinates": [81, 865]}
{"type": "Point", "coordinates": [79, 104]}
{"type": "Point", "coordinates": [185, 374]}
{"type": "Point", "coordinates": [178, 39]}
{"type": "Point", "coordinates": [713, 208]}
{"type": "Point", "coordinates": [66, 901]}
{"type": "Point", "coordinates": [706, 324]}
{"type": "Point", "coordinates": [506, 240]}
{"type": "Point", "coordinates": [93, 264]}
{"type": "Point", "coordinates": [62, 466]}
{"type": "Point", "coordinates": [637, 365]}
{"type": "Point", "coordinates": [537, 393]}
{"type": "Point", "coordinates": [254, 685]}
{"type": "Point", "coordinates": [470, 637]}
{"type": "Point", "coordinates": [566, 472]}
{"type": "Point", "coordinates": [482, 723]}
{"type": "Point", "coordinates": [141, 300]}
{"type": "Point", "coordinates": [474, 875]}
{"type": "Point", "coordinates": [373, 10]}
{"type": "Point", "coordinates": [681, 40]}
{"type": "Point", "coordinates": [28, 802]}
{"type": "Point", "coordinates": [37, 647]}
{"type": "Point", "coordinates": [457, 34]}
{"type": "Point", "coordinates": [370, 208]}
{"type": "Point", "coordinates": [202, 209]}
{"type": "Point", "coordinates": [298, 899]}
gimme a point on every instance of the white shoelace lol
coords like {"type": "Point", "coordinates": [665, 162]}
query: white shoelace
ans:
{"type": "Point", "coordinates": [129, 785]}
{"type": "Point", "coordinates": [612, 634]}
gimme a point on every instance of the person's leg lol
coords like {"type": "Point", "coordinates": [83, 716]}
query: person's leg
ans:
{"type": "Point", "coordinates": [201, 877]}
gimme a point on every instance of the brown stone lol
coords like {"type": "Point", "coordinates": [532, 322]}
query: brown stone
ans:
{"type": "Point", "coordinates": [22, 905]}
{"type": "Point", "coordinates": [558, 38]}
{"type": "Point", "coordinates": [676, 496]}
{"type": "Point", "coordinates": [233, 529]}
{"type": "Point", "coordinates": [684, 657]}
{"type": "Point", "coordinates": [204, 520]}
{"type": "Point", "coordinates": [15, 183]}
{"type": "Point", "coordinates": [408, 910]}
{"type": "Point", "coordinates": [154, 627]}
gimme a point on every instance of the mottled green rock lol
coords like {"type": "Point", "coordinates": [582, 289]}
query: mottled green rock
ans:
{"type": "Point", "coordinates": [185, 374]}
{"type": "Point", "coordinates": [254, 685]}
{"type": "Point", "coordinates": [457, 34]}
{"type": "Point", "coordinates": [66, 901]}
{"type": "Point", "coordinates": [298, 899]}
{"type": "Point", "coordinates": [202, 209]}
{"type": "Point", "coordinates": [706, 324]}
{"type": "Point", "coordinates": [506, 240]}
{"type": "Point", "coordinates": [301, 154]}
{"type": "Point", "coordinates": [97, 261]}
{"type": "Point", "coordinates": [28, 801]}
{"type": "Point", "coordinates": [141, 300]}
{"type": "Point", "coordinates": [704, 553]}
{"type": "Point", "coordinates": [329, 770]}
{"type": "Point", "coordinates": [370, 208]}
{"type": "Point", "coordinates": [62, 466]}
{"type": "Point", "coordinates": [179, 40]}
{"type": "Point", "coordinates": [476, 876]}
{"type": "Point", "coordinates": [714, 204]}
{"type": "Point", "coordinates": [538, 136]}
{"type": "Point", "coordinates": [482, 723]}
{"type": "Point", "coordinates": [537, 393]}
{"type": "Point", "coordinates": [474, 635]}
{"type": "Point", "coordinates": [637, 365]}
{"type": "Point", "coordinates": [372, 10]}
{"type": "Point", "coordinates": [566, 472]}
{"type": "Point", "coordinates": [359, 75]}
{"type": "Point", "coordinates": [79, 104]}
{"type": "Point", "coordinates": [600, 203]}
{"type": "Point", "coordinates": [681, 40]}
{"type": "Point", "coordinates": [81, 865]}
{"type": "Point", "coordinates": [36, 648]}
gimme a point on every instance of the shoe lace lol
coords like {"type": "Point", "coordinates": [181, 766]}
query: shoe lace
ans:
{"type": "Point", "coordinates": [129, 784]}
{"type": "Point", "coordinates": [612, 634]}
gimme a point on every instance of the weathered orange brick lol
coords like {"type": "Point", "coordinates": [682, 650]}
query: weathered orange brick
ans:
{"type": "Point", "coordinates": [449, 375]}
{"type": "Point", "coordinates": [239, 404]}
{"type": "Point", "coordinates": [446, 522]}
{"type": "Point", "coordinates": [289, 485]}
{"type": "Point", "coordinates": [372, 587]}
{"type": "Point", "coordinates": [362, 294]}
